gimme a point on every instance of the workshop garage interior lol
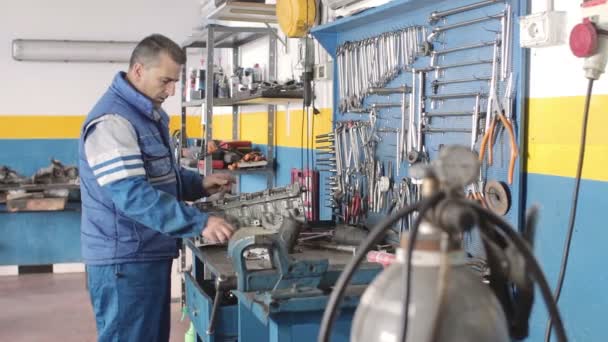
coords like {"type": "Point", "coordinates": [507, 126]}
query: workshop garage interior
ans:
{"type": "Point", "coordinates": [303, 170]}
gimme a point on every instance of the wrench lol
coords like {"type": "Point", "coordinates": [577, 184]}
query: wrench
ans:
{"type": "Point", "coordinates": [474, 124]}
{"type": "Point", "coordinates": [437, 15]}
{"type": "Point", "coordinates": [437, 30]}
{"type": "Point", "coordinates": [436, 83]}
{"type": "Point", "coordinates": [459, 65]}
{"type": "Point", "coordinates": [436, 53]}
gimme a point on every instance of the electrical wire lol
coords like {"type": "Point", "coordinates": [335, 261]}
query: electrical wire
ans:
{"type": "Point", "coordinates": [302, 138]}
{"type": "Point", "coordinates": [407, 274]}
{"type": "Point", "coordinates": [336, 296]}
{"type": "Point", "coordinates": [306, 61]}
{"type": "Point", "coordinates": [312, 154]}
{"type": "Point", "coordinates": [506, 230]}
{"type": "Point", "coordinates": [533, 265]}
{"type": "Point", "coordinates": [573, 206]}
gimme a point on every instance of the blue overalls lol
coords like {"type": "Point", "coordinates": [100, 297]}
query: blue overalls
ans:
{"type": "Point", "coordinates": [131, 217]}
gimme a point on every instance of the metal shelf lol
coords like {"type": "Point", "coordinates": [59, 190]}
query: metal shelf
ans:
{"type": "Point", "coordinates": [226, 36]}
{"type": "Point", "coordinates": [250, 100]}
{"type": "Point", "coordinates": [253, 170]}
{"type": "Point", "coordinates": [39, 187]}
{"type": "Point", "coordinates": [268, 169]}
{"type": "Point", "coordinates": [244, 11]}
{"type": "Point", "coordinates": [234, 37]}
{"type": "Point", "coordinates": [193, 103]}
{"type": "Point", "coordinates": [257, 170]}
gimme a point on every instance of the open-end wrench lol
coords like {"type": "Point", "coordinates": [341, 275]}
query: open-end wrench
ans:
{"type": "Point", "coordinates": [421, 107]}
{"type": "Point", "coordinates": [387, 105]}
{"type": "Point", "coordinates": [506, 44]}
{"type": "Point", "coordinates": [437, 15]}
{"type": "Point", "coordinates": [448, 114]}
{"type": "Point", "coordinates": [475, 123]}
{"type": "Point", "coordinates": [453, 96]}
{"type": "Point", "coordinates": [479, 45]}
{"type": "Point", "coordinates": [411, 141]}
{"type": "Point", "coordinates": [437, 30]}
{"type": "Point", "coordinates": [389, 91]}
{"type": "Point", "coordinates": [493, 84]}
{"type": "Point", "coordinates": [433, 130]}
{"type": "Point", "coordinates": [438, 68]}
{"type": "Point", "coordinates": [437, 83]}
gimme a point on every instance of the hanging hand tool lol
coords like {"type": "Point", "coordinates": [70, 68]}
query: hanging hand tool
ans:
{"type": "Point", "coordinates": [389, 91]}
{"type": "Point", "coordinates": [479, 45]}
{"type": "Point", "coordinates": [433, 130]}
{"type": "Point", "coordinates": [438, 30]}
{"type": "Point", "coordinates": [490, 124]}
{"type": "Point", "coordinates": [437, 15]}
{"type": "Point", "coordinates": [439, 68]}
{"type": "Point", "coordinates": [499, 116]}
{"type": "Point", "coordinates": [448, 114]}
{"type": "Point", "coordinates": [437, 83]}
{"type": "Point", "coordinates": [475, 123]}
{"type": "Point", "coordinates": [367, 65]}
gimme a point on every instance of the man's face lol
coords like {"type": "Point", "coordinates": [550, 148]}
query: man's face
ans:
{"type": "Point", "coordinates": [157, 80]}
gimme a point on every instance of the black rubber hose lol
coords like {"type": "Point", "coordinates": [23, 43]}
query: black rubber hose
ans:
{"type": "Point", "coordinates": [573, 206]}
{"type": "Point", "coordinates": [329, 316]}
{"type": "Point", "coordinates": [531, 262]}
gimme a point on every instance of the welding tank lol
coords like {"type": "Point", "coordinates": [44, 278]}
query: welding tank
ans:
{"type": "Point", "coordinates": [470, 311]}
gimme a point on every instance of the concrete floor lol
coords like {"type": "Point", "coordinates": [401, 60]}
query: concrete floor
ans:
{"type": "Point", "coordinates": [55, 307]}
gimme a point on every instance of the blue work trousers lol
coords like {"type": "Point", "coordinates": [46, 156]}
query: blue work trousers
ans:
{"type": "Point", "coordinates": [131, 301]}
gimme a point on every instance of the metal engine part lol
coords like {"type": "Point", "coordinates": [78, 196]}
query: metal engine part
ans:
{"type": "Point", "coordinates": [10, 176]}
{"type": "Point", "coordinates": [56, 173]}
{"type": "Point", "coordinates": [265, 209]}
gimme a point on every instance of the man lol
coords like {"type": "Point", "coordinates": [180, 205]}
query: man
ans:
{"type": "Point", "coordinates": [132, 217]}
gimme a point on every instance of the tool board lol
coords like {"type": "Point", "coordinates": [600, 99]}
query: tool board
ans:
{"type": "Point", "coordinates": [403, 14]}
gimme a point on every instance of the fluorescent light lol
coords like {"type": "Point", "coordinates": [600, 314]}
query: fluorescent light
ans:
{"type": "Point", "coordinates": [72, 51]}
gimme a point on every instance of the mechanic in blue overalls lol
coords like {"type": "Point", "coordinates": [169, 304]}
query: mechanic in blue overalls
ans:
{"type": "Point", "coordinates": [132, 188]}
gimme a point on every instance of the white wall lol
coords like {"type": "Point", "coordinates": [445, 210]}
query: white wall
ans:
{"type": "Point", "coordinates": [555, 71]}
{"type": "Point", "coordinates": [73, 88]}
{"type": "Point", "coordinates": [38, 88]}
{"type": "Point", "coordinates": [287, 60]}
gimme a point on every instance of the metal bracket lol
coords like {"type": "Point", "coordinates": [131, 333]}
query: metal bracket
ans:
{"type": "Point", "coordinates": [281, 40]}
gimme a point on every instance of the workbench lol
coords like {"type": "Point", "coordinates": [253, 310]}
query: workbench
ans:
{"type": "Point", "coordinates": [287, 315]}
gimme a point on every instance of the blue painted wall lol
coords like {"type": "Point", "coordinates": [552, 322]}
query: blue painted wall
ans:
{"type": "Point", "coordinates": [38, 238]}
{"type": "Point", "coordinates": [54, 237]}
{"type": "Point", "coordinates": [584, 298]}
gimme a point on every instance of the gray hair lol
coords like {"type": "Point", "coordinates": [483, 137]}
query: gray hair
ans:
{"type": "Point", "coordinates": [148, 50]}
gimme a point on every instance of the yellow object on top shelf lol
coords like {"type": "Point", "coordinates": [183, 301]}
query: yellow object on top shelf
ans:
{"type": "Point", "coordinates": [296, 17]}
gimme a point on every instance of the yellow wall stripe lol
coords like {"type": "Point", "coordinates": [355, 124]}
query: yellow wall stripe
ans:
{"type": "Point", "coordinates": [65, 126]}
{"type": "Point", "coordinates": [554, 128]}
{"type": "Point", "coordinates": [252, 126]}
{"type": "Point", "coordinates": [40, 126]}
{"type": "Point", "coordinates": [552, 141]}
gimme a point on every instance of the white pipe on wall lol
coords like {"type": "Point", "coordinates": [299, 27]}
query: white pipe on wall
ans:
{"type": "Point", "coordinates": [87, 51]}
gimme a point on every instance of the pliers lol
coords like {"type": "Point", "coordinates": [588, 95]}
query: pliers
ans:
{"type": "Point", "coordinates": [488, 139]}
{"type": "Point", "coordinates": [476, 194]}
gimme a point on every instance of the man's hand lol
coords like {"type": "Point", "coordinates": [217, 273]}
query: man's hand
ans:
{"type": "Point", "coordinates": [218, 182]}
{"type": "Point", "coordinates": [217, 230]}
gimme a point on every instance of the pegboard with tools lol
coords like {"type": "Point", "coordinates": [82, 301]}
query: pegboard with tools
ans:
{"type": "Point", "coordinates": [410, 78]}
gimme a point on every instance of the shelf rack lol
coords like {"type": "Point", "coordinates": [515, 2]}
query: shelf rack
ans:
{"type": "Point", "coordinates": [212, 37]}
